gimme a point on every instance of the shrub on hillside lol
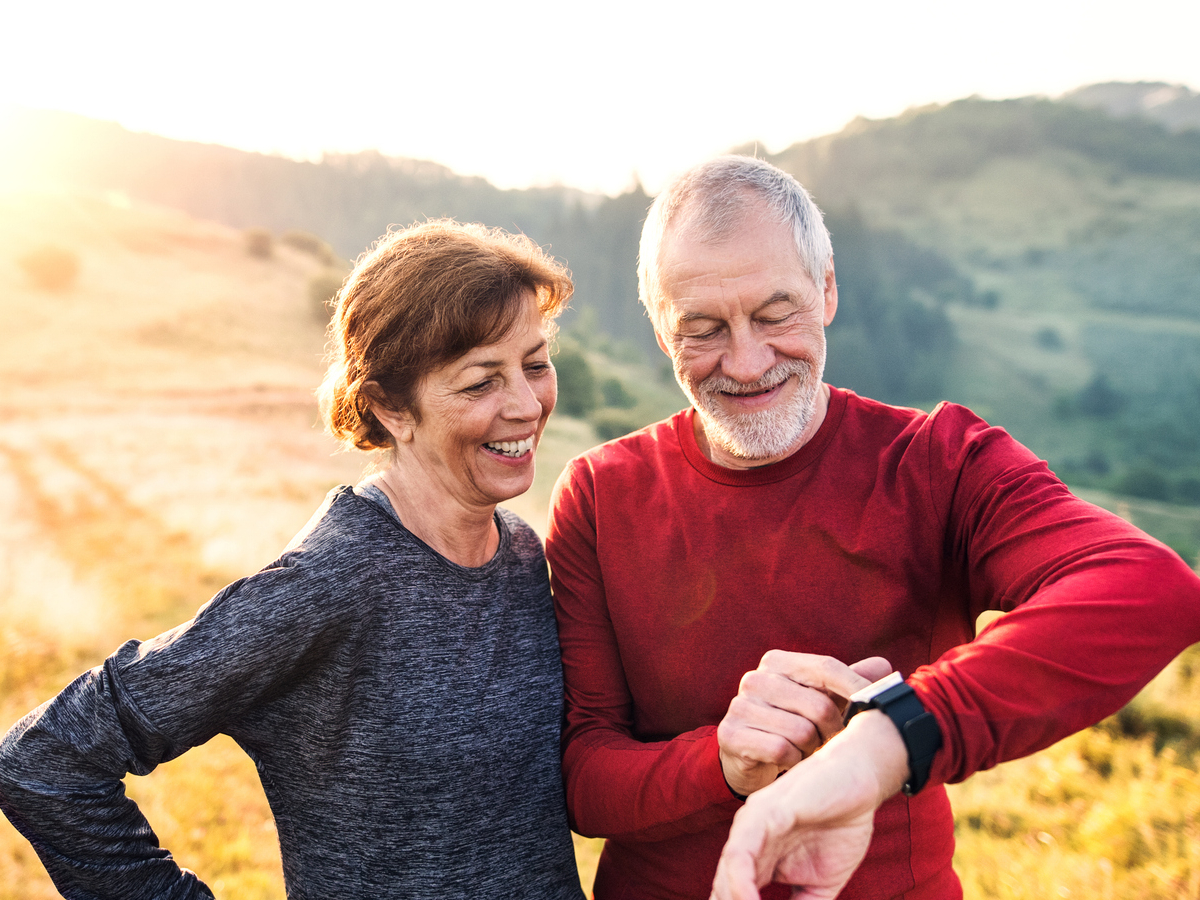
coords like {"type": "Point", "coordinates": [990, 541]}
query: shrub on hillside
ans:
{"type": "Point", "coordinates": [1187, 490]}
{"type": "Point", "coordinates": [307, 242]}
{"type": "Point", "coordinates": [1145, 482]}
{"type": "Point", "coordinates": [615, 394]}
{"type": "Point", "coordinates": [258, 242]}
{"type": "Point", "coordinates": [576, 382]}
{"type": "Point", "coordinates": [1100, 399]}
{"type": "Point", "coordinates": [50, 267]}
{"type": "Point", "coordinates": [1049, 338]}
{"type": "Point", "coordinates": [323, 288]}
{"type": "Point", "coordinates": [610, 424]}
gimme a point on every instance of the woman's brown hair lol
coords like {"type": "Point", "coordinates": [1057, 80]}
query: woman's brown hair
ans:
{"type": "Point", "coordinates": [421, 298]}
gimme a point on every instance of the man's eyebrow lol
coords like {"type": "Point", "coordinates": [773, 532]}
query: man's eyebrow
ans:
{"type": "Point", "coordinates": [777, 297]}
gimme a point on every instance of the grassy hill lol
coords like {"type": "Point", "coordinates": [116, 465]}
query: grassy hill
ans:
{"type": "Point", "coordinates": [156, 440]}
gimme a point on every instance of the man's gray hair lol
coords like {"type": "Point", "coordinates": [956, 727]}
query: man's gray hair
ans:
{"type": "Point", "coordinates": [715, 196]}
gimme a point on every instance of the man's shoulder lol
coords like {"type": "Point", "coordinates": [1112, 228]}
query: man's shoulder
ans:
{"type": "Point", "coordinates": [945, 416]}
{"type": "Point", "coordinates": [948, 436]}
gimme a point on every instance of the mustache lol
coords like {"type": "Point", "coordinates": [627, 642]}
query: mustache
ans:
{"type": "Point", "coordinates": [777, 374]}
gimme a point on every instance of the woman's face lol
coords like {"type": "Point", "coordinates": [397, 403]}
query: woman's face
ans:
{"type": "Point", "coordinates": [482, 416]}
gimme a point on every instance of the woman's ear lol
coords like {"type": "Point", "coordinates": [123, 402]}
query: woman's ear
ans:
{"type": "Point", "coordinates": [400, 424]}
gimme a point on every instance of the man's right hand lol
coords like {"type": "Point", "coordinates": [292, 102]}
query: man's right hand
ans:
{"type": "Point", "coordinates": [784, 710]}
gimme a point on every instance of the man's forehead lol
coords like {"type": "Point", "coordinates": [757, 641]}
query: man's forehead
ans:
{"type": "Point", "coordinates": [760, 248]}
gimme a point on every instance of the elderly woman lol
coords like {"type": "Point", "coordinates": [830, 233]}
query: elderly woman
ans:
{"type": "Point", "coordinates": [395, 673]}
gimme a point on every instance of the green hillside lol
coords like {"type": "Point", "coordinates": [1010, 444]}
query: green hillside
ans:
{"type": "Point", "coordinates": [1080, 236]}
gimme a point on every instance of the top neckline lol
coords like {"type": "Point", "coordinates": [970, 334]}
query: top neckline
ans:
{"type": "Point", "coordinates": [768, 474]}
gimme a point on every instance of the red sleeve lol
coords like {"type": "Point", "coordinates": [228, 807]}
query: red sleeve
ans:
{"type": "Point", "coordinates": [1097, 608]}
{"type": "Point", "coordinates": [617, 786]}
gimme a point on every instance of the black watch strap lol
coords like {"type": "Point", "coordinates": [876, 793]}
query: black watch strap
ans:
{"type": "Point", "coordinates": [918, 728]}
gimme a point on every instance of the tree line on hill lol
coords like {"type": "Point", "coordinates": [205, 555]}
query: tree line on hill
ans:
{"type": "Point", "coordinates": [894, 337]}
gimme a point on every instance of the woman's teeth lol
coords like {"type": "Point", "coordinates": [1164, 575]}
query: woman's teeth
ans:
{"type": "Point", "coordinates": [511, 448]}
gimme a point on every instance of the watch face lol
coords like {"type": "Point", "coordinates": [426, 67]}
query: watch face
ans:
{"type": "Point", "coordinates": [871, 691]}
{"type": "Point", "coordinates": [860, 700]}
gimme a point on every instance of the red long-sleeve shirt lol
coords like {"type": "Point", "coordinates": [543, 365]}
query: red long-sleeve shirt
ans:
{"type": "Point", "coordinates": [886, 535]}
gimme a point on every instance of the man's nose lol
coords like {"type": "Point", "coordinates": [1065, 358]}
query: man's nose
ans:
{"type": "Point", "coordinates": [748, 356]}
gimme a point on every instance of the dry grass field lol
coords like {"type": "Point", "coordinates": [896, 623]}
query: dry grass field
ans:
{"type": "Point", "coordinates": [158, 438]}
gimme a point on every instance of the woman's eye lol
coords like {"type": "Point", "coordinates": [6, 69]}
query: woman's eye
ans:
{"type": "Point", "coordinates": [478, 388]}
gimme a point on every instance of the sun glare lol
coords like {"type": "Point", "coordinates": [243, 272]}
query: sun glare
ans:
{"type": "Point", "coordinates": [33, 144]}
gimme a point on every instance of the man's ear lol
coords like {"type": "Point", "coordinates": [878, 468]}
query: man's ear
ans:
{"type": "Point", "coordinates": [661, 343]}
{"type": "Point", "coordinates": [831, 295]}
{"type": "Point", "coordinates": [400, 424]}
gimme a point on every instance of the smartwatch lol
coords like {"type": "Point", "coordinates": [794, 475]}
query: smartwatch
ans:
{"type": "Point", "coordinates": [918, 728]}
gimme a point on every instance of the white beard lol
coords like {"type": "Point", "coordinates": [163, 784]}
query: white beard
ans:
{"type": "Point", "coordinates": [767, 434]}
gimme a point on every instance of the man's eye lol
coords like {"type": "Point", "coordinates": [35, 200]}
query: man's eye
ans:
{"type": "Point", "coordinates": [782, 319]}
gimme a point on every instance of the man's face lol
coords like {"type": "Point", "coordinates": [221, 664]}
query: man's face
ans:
{"type": "Point", "coordinates": [744, 326]}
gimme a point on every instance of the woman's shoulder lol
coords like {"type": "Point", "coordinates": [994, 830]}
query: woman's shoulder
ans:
{"type": "Point", "coordinates": [344, 537]}
{"type": "Point", "coordinates": [342, 517]}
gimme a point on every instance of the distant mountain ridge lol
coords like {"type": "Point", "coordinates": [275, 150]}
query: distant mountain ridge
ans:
{"type": "Point", "coordinates": [1025, 256]}
{"type": "Point", "coordinates": [1175, 106]}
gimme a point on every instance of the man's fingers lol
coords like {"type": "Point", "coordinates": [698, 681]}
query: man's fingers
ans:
{"type": "Point", "coordinates": [832, 676]}
{"type": "Point", "coordinates": [742, 869]}
{"type": "Point", "coordinates": [736, 877]}
{"type": "Point", "coordinates": [770, 689]}
{"type": "Point", "coordinates": [764, 734]}
{"type": "Point", "coordinates": [872, 668]}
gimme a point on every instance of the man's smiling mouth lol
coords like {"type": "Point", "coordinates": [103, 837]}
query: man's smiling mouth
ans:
{"type": "Point", "coordinates": [758, 393]}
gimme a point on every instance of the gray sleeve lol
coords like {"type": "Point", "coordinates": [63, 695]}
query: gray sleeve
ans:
{"type": "Point", "coordinates": [60, 785]}
{"type": "Point", "coordinates": [61, 767]}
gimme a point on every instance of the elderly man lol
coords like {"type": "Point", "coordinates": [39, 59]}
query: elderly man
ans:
{"type": "Point", "coordinates": [727, 578]}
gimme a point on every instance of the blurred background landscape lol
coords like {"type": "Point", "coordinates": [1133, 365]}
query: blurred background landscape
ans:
{"type": "Point", "coordinates": [164, 304]}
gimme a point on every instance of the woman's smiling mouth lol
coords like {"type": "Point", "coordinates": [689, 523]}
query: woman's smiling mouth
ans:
{"type": "Point", "coordinates": [511, 449]}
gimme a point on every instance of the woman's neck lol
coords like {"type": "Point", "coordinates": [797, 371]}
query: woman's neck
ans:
{"type": "Point", "coordinates": [464, 535]}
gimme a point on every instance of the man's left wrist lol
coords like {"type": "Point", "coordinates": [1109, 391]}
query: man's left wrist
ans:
{"type": "Point", "coordinates": [918, 729]}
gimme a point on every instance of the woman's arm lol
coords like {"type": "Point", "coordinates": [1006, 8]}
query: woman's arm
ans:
{"type": "Point", "coordinates": [61, 771]}
{"type": "Point", "coordinates": [62, 766]}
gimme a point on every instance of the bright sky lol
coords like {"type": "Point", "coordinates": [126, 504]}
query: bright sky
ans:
{"type": "Point", "coordinates": [543, 91]}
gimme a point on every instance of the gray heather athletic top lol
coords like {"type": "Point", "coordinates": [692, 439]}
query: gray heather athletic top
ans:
{"type": "Point", "coordinates": [403, 712]}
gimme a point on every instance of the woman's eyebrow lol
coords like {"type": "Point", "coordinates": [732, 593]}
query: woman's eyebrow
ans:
{"type": "Point", "coordinates": [496, 363]}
